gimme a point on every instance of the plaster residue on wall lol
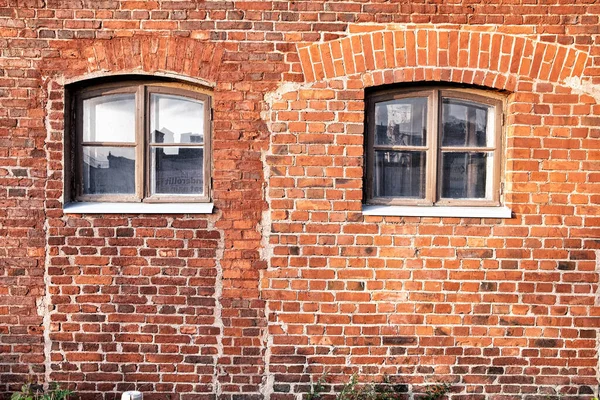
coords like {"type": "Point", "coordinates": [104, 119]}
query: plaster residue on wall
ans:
{"type": "Point", "coordinates": [584, 87]}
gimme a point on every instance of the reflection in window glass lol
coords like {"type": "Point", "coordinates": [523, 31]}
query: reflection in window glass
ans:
{"type": "Point", "coordinates": [401, 122]}
{"type": "Point", "coordinates": [433, 146]}
{"type": "Point", "coordinates": [176, 119]}
{"type": "Point", "coordinates": [109, 118]}
{"type": "Point", "coordinates": [399, 174]}
{"type": "Point", "coordinates": [108, 170]}
{"type": "Point", "coordinates": [466, 124]}
{"type": "Point", "coordinates": [177, 170]}
{"type": "Point", "coordinates": [464, 175]}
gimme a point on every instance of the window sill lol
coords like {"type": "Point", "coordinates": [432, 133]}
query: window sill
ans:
{"type": "Point", "coordinates": [138, 208]}
{"type": "Point", "coordinates": [452, 212]}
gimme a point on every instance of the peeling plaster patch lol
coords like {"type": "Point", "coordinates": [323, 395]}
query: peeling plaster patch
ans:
{"type": "Point", "coordinates": [266, 251]}
{"type": "Point", "coordinates": [43, 309]}
{"type": "Point", "coordinates": [40, 306]}
{"type": "Point", "coordinates": [266, 387]}
{"type": "Point", "coordinates": [584, 87]}
{"type": "Point", "coordinates": [276, 95]}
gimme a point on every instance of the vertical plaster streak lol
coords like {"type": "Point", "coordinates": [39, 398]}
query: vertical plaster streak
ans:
{"type": "Point", "coordinates": [266, 388]}
{"type": "Point", "coordinates": [218, 312]}
{"type": "Point", "coordinates": [44, 303]}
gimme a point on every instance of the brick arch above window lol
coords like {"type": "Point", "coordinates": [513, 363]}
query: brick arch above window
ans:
{"type": "Point", "coordinates": [145, 54]}
{"type": "Point", "coordinates": [487, 58]}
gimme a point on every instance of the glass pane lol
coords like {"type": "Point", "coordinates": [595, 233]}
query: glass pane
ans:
{"type": "Point", "coordinates": [464, 175]}
{"type": "Point", "coordinates": [175, 119]}
{"type": "Point", "coordinates": [109, 119]}
{"type": "Point", "coordinates": [467, 124]}
{"type": "Point", "coordinates": [108, 170]}
{"type": "Point", "coordinates": [399, 174]}
{"type": "Point", "coordinates": [177, 170]}
{"type": "Point", "coordinates": [401, 122]}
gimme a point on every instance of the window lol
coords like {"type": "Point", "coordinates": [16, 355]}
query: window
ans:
{"type": "Point", "coordinates": [434, 147]}
{"type": "Point", "coordinates": [140, 142]}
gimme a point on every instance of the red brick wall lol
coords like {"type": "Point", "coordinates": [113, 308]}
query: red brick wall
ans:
{"type": "Point", "coordinates": [164, 304]}
{"type": "Point", "coordinates": [287, 279]}
{"type": "Point", "coordinates": [497, 307]}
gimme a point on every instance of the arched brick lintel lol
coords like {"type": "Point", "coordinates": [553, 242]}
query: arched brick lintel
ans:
{"type": "Point", "coordinates": [490, 79]}
{"type": "Point", "coordinates": [142, 54]}
{"type": "Point", "coordinates": [450, 50]}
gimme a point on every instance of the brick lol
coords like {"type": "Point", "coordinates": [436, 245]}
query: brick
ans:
{"type": "Point", "coordinates": [500, 303]}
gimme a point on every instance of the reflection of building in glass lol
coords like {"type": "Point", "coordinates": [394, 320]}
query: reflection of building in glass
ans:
{"type": "Point", "coordinates": [179, 170]}
{"type": "Point", "coordinates": [116, 174]}
{"type": "Point", "coordinates": [464, 124]}
{"type": "Point", "coordinates": [192, 137]}
{"type": "Point", "coordinates": [92, 161]}
{"type": "Point", "coordinates": [176, 169]}
{"type": "Point", "coordinates": [392, 134]}
{"type": "Point", "coordinates": [166, 136]}
{"type": "Point", "coordinates": [400, 123]}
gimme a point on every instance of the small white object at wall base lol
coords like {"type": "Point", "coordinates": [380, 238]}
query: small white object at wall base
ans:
{"type": "Point", "coordinates": [450, 212]}
{"type": "Point", "coordinates": [132, 395]}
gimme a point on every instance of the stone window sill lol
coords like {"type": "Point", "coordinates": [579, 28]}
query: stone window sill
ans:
{"type": "Point", "coordinates": [138, 208]}
{"type": "Point", "coordinates": [451, 212]}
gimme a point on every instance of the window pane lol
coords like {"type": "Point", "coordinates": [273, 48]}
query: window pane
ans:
{"type": "Point", "coordinates": [464, 175]}
{"type": "Point", "coordinates": [109, 119]}
{"type": "Point", "coordinates": [399, 174]}
{"type": "Point", "coordinates": [177, 170]}
{"type": "Point", "coordinates": [401, 122]}
{"type": "Point", "coordinates": [175, 119]}
{"type": "Point", "coordinates": [466, 124]}
{"type": "Point", "coordinates": [108, 170]}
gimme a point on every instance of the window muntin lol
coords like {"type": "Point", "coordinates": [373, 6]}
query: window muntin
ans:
{"type": "Point", "coordinates": [141, 142]}
{"type": "Point", "coordinates": [433, 147]}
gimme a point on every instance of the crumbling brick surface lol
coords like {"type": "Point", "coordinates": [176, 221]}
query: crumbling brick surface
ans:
{"type": "Point", "coordinates": [287, 279]}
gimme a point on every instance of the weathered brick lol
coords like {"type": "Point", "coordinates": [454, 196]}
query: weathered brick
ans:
{"type": "Point", "coordinates": [187, 304]}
